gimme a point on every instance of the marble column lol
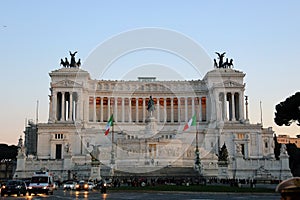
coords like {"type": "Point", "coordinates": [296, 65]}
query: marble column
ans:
{"type": "Point", "coordinates": [71, 107]}
{"type": "Point", "coordinates": [94, 109]}
{"type": "Point", "coordinates": [123, 109]}
{"type": "Point", "coordinates": [232, 106]}
{"type": "Point", "coordinates": [130, 111]}
{"type": "Point", "coordinates": [157, 109]}
{"type": "Point", "coordinates": [172, 110]}
{"type": "Point", "coordinates": [78, 108]}
{"type": "Point", "coordinates": [63, 114]}
{"type": "Point", "coordinates": [144, 109]}
{"type": "Point", "coordinates": [54, 106]}
{"type": "Point", "coordinates": [136, 110]}
{"type": "Point", "coordinates": [193, 106]}
{"type": "Point", "coordinates": [225, 107]}
{"type": "Point", "coordinates": [186, 109]}
{"type": "Point", "coordinates": [241, 105]}
{"type": "Point", "coordinates": [101, 109]}
{"type": "Point", "coordinates": [179, 108]}
{"type": "Point", "coordinates": [108, 108]}
{"type": "Point", "coordinates": [200, 108]}
{"type": "Point", "coordinates": [116, 109]}
{"type": "Point", "coordinates": [165, 110]}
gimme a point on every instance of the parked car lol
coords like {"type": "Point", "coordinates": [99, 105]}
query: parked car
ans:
{"type": "Point", "coordinates": [82, 185]}
{"type": "Point", "coordinates": [14, 187]}
{"type": "Point", "coordinates": [69, 185]}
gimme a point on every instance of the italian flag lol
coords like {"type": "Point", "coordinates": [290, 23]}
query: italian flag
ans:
{"type": "Point", "coordinates": [109, 124]}
{"type": "Point", "coordinates": [191, 122]}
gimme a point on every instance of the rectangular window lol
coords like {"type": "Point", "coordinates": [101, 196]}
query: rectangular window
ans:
{"type": "Point", "coordinates": [59, 136]}
{"type": "Point", "coordinates": [240, 136]}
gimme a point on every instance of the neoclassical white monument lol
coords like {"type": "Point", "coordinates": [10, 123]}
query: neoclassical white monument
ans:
{"type": "Point", "coordinates": [72, 142]}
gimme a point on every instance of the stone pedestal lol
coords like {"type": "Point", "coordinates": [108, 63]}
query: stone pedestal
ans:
{"type": "Point", "coordinates": [285, 172]}
{"type": "Point", "coordinates": [223, 170]}
{"type": "Point", "coordinates": [239, 164]}
{"type": "Point", "coordinates": [151, 126]}
{"type": "Point", "coordinates": [20, 168]}
{"type": "Point", "coordinates": [67, 162]}
{"type": "Point", "coordinates": [95, 170]}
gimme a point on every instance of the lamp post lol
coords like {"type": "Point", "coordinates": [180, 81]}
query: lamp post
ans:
{"type": "Point", "coordinates": [197, 152]}
{"type": "Point", "coordinates": [197, 160]}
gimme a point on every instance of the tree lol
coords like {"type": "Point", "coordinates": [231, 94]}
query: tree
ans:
{"type": "Point", "coordinates": [288, 111]}
{"type": "Point", "coordinates": [8, 156]}
{"type": "Point", "coordinates": [223, 154]}
{"type": "Point", "coordinates": [276, 148]}
{"type": "Point", "coordinates": [294, 160]}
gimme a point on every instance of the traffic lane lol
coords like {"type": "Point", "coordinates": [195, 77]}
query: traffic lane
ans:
{"type": "Point", "coordinates": [87, 195]}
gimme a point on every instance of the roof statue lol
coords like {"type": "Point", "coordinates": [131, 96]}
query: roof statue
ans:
{"type": "Point", "coordinates": [72, 63]}
{"type": "Point", "coordinates": [227, 64]}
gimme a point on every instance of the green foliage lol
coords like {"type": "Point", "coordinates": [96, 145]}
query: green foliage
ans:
{"type": "Point", "coordinates": [8, 153]}
{"type": "Point", "coordinates": [276, 148]}
{"type": "Point", "coordinates": [223, 154]}
{"type": "Point", "coordinates": [294, 159]}
{"type": "Point", "coordinates": [288, 111]}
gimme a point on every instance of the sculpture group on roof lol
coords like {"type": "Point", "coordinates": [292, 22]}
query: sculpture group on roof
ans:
{"type": "Point", "coordinates": [221, 64]}
{"type": "Point", "coordinates": [73, 63]}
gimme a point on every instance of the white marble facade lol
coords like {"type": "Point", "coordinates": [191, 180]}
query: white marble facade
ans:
{"type": "Point", "coordinates": [79, 108]}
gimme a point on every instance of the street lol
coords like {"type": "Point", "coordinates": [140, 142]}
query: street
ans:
{"type": "Point", "coordinates": [111, 195]}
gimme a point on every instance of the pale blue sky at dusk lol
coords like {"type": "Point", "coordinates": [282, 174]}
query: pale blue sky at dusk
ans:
{"type": "Point", "coordinates": [261, 36]}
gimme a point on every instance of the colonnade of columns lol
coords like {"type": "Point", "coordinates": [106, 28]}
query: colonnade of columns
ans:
{"type": "Point", "coordinates": [64, 106]}
{"type": "Point", "coordinates": [134, 109]}
{"type": "Point", "coordinates": [232, 107]}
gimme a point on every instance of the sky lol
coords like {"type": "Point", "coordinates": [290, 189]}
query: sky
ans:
{"type": "Point", "coordinates": [261, 36]}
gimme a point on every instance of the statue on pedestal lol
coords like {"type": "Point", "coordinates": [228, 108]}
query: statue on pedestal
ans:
{"type": "Point", "coordinates": [151, 106]}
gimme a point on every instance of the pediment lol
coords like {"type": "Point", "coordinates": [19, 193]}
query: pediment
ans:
{"type": "Point", "coordinates": [66, 83]}
{"type": "Point", "coordinates": [229, 84]}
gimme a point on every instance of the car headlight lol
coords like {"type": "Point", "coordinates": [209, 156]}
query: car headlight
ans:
{"type": "Point", "coordinates": [104, 184]}
{"type": "Point", "coordinates": [3, 187]}
{"type": "Point", "coordinates": [29, 187]}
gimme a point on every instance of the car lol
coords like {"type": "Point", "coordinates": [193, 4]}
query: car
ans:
{"type": "Point", "coordinates": [14, 187]}
{"type": "Point", "coordinates": [41, 183]}
{"type": "Point", "coordinates": [91, 185]}
{"type": "Point", "coordinates": [102, 186]}
{"type": "Point", "coordinates": [82, 185]}
{"type": "Point", "coordinates": [109, 183]}
{"type": "Point", "coordinates": [69, 185]}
